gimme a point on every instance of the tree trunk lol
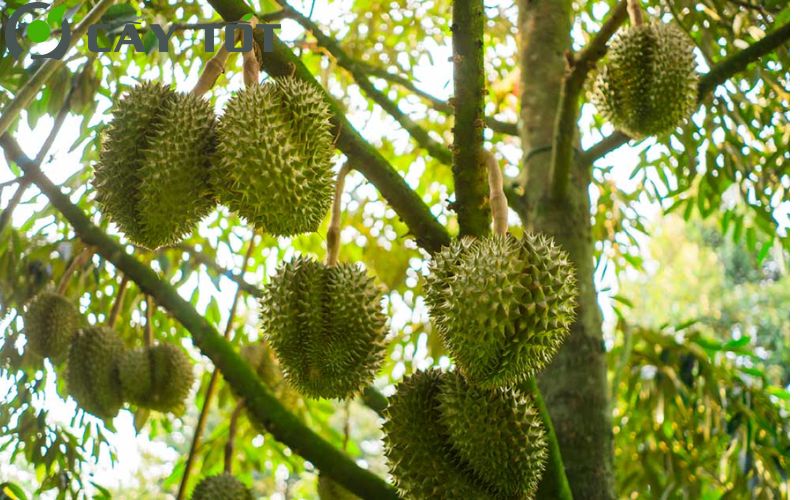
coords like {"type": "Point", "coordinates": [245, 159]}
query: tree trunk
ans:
{"type": "Point", "coordinates": [574, 385]}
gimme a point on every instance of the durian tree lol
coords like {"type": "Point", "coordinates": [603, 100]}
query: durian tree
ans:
{"type": "Point", "coordinates": [165, 271]}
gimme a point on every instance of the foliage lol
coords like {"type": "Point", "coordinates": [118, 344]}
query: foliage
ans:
{"type": "Point", "coordinates": [730, 167]}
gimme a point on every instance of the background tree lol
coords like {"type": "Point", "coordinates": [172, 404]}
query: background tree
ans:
{"type": "Point", "coordinates": [420, 183]}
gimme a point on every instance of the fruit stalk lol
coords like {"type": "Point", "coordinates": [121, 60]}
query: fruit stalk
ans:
{"type": "Point", "coordinates": [497, 197]}
{"type": "Point", "coordinates": [334, 236]}
{"type": "Point", "coordinates": [635, 12]}
{"type": "Point", "coordinates": [213, 68]}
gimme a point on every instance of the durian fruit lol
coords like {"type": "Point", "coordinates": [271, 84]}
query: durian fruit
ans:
{"type": "Point", "coordinates": [496, 432]}
{"type": "Point", "coordinates": [328, 489]}
{"type": "Point", "coordinates": [422, 461]}
{"type": "Point", "coordinates": [647, 84]}
{"type": "Point", "coordinates": [92, 371]}
{"type": "Point", "coordinates": [157, 377]}
{"type": "Point", "coordinates": [263, 361]}
{"type": "Point", "coordinates": [221, 487]}
{"type": "Point", "coordinates": [503, 306]}
{"type": "Point", "coordinates": [51, 321]}
{"type": "Point", "coordinates": [326, 325]}
{"type": "Point", "coordinates": [153, 177]}
{"type": "Point", "coordinates": [274, 157]}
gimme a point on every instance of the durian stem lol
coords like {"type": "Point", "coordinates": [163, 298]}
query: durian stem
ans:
{"type": "Point", "coordinates": [497, 197]}
{"type": "Point", "coordinates": [212, 383]}
{"type": "Point", "coordinates": [635, 12]}
{"type": "Point", "coordinates": [251, 68]}
{"type": "Point", "coordinates": [346, 429]}
{"type": "Point", "coordinates": [229, 445]}
{"type": "Point", "coordinates": [334, 236]}
{"type": "Point", "coordinates": [213, 68]}
{"type": "Point", "coordinates": [118, 299]}
{"type": "Point", "coordinates": [77, 262]}
{"type": "Point", "coordinates": [148, 321]}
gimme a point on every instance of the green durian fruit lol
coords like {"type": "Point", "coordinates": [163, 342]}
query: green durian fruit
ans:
{"type": "Point", "coordinates": [328, 489]}
{"type": "Point", "coordinates": [153, 177]}
{"type": "Point", "coordinates": [221, 487]}
{"type": "Point", "coordinates": [496, 432]}
{"type": "Point", "coordinates": [263, 361]}
{"type": "Point", "coordinates": [92, 371]}
{"type": "Point", "coordinates": [157, 377]}
{"type": "Point", "coordinates": [647, 83]}
{"type": "Point", "coordinates": [503, 306]}
{"type": "Point", "coordinates": [51, 321]}
{"type": "Point", "coordinates": [421, 459]}
{"type": "Point", "coordinates": [326, 325]}
{"type": "Point", "coordinates": [274, 158]}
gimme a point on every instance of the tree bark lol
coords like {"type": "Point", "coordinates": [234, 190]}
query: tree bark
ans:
{"type": "Point", "coordinates": [574, 385]}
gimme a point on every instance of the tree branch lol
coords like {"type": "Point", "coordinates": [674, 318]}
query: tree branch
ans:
{"type": "Point", "coordinates": [279, 421]}
{"type": "Point", "coordinates": [717, 75]}
{"type": "Point", "coordinates": [25, 95]}
{"type": "Point", "coordinates": [469, 171]}
{"type": "Point", "coordinates": [364, 157]}
{"type": "Point", "coordinates": [578, 68]}
{"type": "Point", "coordinates": [436, 149]}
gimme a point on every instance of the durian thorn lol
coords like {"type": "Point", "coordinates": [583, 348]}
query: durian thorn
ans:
{"type": "Point", "coordinates": [497, 198]}
{"type": "Point", "coordinates": [213, 68]}
{"type": "Point", "coordinates": [77, 262]}
{"type": "Point", "coordinates": [635, 12]}
{"type": "Point", "coordinates": [117, 306]}
{"type": "Point", "coordinates": [250, 67]}
{"type": "Point", "coordinates": [232, 436]}
{"type": "Point", "coordinates": [334, 229]}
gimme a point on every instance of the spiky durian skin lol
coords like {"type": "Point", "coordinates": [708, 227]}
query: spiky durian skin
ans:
{"type": "Point", "coordinates": [221, 487]}
{"type": "Point", "coordinates": [92, 371]}
{"type": "Point", "coordinates": [153, 177]}
{"type": "Point", "coordinates": [274, 157]}
{"type": "Point", "coordinates": [421, 460]}
{"type": "Point", "coordinates": [328, 489]}
{"type": "Point", "coordinates": [504, 307]}
{"type": "Point", "coordinates": [51, 321]}
{"type": "Point", "coordinates": [647, 84]}
{"type": "Point", "coordinates": [326, 325]}
{"type": "Point", "coordinates": [497, 432]}
{"type": "Point", "coordinates": [157, 377]}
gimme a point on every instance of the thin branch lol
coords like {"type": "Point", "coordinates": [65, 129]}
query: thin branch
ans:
{"type": "Point", "coordinates": [229, 444]}
{"type": "Point", "coordinates": [469, 172]}
{"type": "Point", "coordinates": [24, 183]}
{"type": "Point", "coordinates": [578, 68]}
{"type": "Point", "coordinates": [555, 463]}
{"type": "Point", "coordinates": [278, 420]}
{"type": "Point", "coordinates": [25, 95]}
{"type": "Point", "coordinates": [208, 261]}
{"type": "Point", "coordinates": [436, 149]}
{"type": "Point", "coordinates": [500, 126]}
{"type": "Point", "coordinates": [78, 261]}
{"type": "Point", "coordinates": [118, 300]}
{"type": "Point", "coordinates": [717, 75]}
{"type": "Point", "coordinates": [212, 383]}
